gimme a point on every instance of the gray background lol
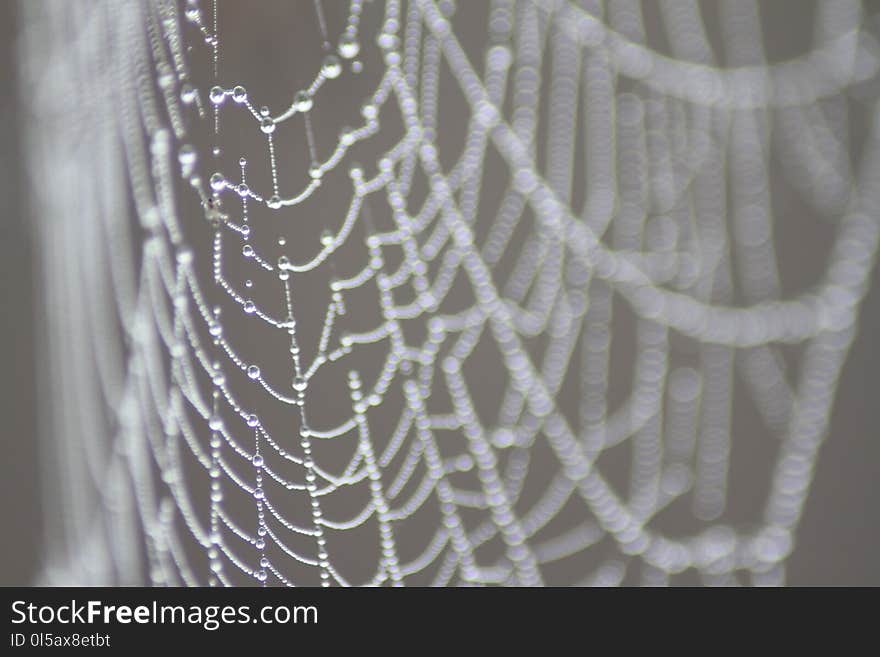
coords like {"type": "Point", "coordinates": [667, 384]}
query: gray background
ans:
{"type": "Point", "coordinates": [839, 536]}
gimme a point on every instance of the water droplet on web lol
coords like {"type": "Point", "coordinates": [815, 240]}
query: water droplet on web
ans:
{"type": "Point", "coordinates": [249, 307]}
{"type": "Point", "coordinates": [218, 182]}
{"type": "Point", "coordinates": [187, 155]}
{"type": "Point", "coordinates": [247, 251]}
{"type": "Point", "coordinates": [253, 372]}
{"type": "Point", "coordinates": [217, 95]}
{"type": "Point", "coordinates": [187, 94]}
{"type": "Point", "coordinates": [264, 111]}
{"type": "Point", "coordinates": [282, 241]}
{"type": "Point", "coordinates": [166, 79]}
{"type": "Point", "coordinates": [300, 383]}
{"type": "Point", "coordinates": [252, 420]}
{"type": "Point", "coordinates": [184, 256]}
{"type": "Point", "coordinates": [267, 125]}
{"type": "Point", "coordinates": [302, 101]}
{"type": "Point", "coordinates": [192, 12]}
{"type": "Point", "coordinates": [274, 202]}
{"type": "Point", "coordinates": [257, 460]}
{"type": "Point", "coordinates": [283, 262]}
{"type": "Point", "coordinates": [248, 283]}
{"type": "Point", "coordinates": [386, 40]}
{"type": "Point", "coordinates": [215, 423]}
{"type": "Point", "coordinates": [239, 94]}
{"type": "Point", "coordinates": [261, 575]}
{"type": "Point", "coordinates": [331, 67]}
{"type": "Point", "coordinates": [349, 46]}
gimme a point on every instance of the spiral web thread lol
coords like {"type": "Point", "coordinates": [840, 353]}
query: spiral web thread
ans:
{"type": "Point", "coordinates": [676, 221]}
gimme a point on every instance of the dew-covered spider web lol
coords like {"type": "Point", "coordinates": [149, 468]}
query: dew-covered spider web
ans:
{"type": "Point", "coordinates": [498, 292]}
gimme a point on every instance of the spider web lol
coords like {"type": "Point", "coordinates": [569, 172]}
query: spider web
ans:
{"type": "Point", "coordinates": [292, 368]}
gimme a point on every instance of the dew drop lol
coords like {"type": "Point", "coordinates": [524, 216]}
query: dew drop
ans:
{"type": "Point", "coordinates": [239, 94]}
{"type": "Point", "coordinates": [248, 283]}
{"type": "Point", "coordinates": [218, 182]}
{"type": "Point", "coordinates": [252, 420]}
{"type": "Point", "coordinates": [283, 262]}
{"type": "Point", "coordinates": [264, 111]}
{"type": "Point", "coordinates": [257, 460]}
{"type": "Point", "coordinates": [187, 94]}
{"type": "Point", "coordinates": [302, 101]}
{"type": "Point", "coordinates": [267, 125]}
{"type": "Point", "coordinates": [261, 575]}
{"type": "Point", "coordinates": [349, 46]}
{"type": "Point", "coordinates": [258, 493]}
{"type": "Point", "coordinates": [253, 372]}
{"type": "Point", "coordinates": [217, 95]}
{"type": "Point", "coordinates": [249, 307]}
{"type": "Point", "coordinates": [166, 79]}
{"type": "Point", "coordinates": [300, 383]}
{"type": "Point", "coordinates": [332, 67]}
{"type": "Point", "coordinates": [274, 202]}
{"type": "Point", "coordinates": [184, 256]}
{"type": "Point", "coordinates": [260, 543]}
{"type": "Point", "coordinates": [247, 251]}
{"type": "Point", "coordinates": [187, 155]}
{"type": "Point", "coordinates": [215, 423]}
{"type": "Point", "coordinates": [243, 190]}
{"type": "Point", "coordinates": [192, 12]}
{"type": "Point", "coordinates": [386, 40]}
